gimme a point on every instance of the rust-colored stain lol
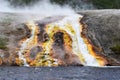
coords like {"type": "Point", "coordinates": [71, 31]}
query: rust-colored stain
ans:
{"type": "Point", "coordinates": [57, 42]}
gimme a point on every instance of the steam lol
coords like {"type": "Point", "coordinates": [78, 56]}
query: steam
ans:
{"type": "Point", "coordinates": [43, 7]}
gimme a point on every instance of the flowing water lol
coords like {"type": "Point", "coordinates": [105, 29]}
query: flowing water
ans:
{"type": "Point", "coordinates": [74, 44]}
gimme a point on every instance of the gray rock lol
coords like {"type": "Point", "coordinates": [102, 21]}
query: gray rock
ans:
{"type": "Point", "coordinates": [103, 28]}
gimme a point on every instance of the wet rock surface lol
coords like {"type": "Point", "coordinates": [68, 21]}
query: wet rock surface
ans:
{"type": "Point", "coordinates": [12, 30]}
{"type": "Point", "coordinates": [59, 73]}
{"type": "Point", "coordinates": [103, 29]}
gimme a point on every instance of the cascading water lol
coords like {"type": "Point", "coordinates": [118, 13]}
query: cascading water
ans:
{"type": "Point", "coordinates": [58, 42]}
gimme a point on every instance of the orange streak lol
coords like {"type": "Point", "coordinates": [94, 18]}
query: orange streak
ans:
{"type": "Point", "coordinates": [101, 60]}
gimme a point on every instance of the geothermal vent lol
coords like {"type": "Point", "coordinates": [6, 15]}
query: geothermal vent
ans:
{"type": "Point", "coordinates": [55, 41]}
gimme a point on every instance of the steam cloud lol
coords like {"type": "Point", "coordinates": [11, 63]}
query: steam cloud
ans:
{"type": "Point", "coordinates": [43, 7]}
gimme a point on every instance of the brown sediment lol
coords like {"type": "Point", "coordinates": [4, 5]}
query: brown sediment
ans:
{"type": "Point", "coordinates": [52, 45]}
{"type": "Point", "coordinates": [42, 24]}
{"type": "Point", "coordinates": [58, 40]}
{"type": "Point", "coordinates": [62, 49]}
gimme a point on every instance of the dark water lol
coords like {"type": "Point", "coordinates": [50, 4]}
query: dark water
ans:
{"type": "Point", "coordinates": [59, 73]}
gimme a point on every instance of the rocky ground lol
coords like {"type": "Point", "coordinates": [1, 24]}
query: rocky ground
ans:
{"type": "Point", "coordinates": [59, 73]}
{"type": "Point", "coordinates": [102, 27]}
